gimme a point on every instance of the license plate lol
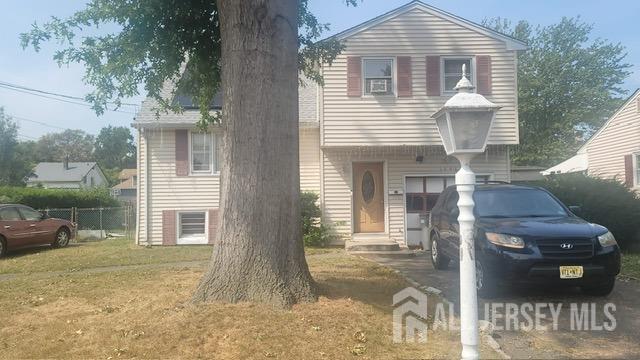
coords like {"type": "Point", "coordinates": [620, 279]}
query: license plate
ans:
{"type": "Point", "coordinates": [571, 272]}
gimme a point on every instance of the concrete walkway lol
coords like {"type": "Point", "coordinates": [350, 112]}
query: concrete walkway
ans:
{"type": "Point", "coordinates": [563, 342]}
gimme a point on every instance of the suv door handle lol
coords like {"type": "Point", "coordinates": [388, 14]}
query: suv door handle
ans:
{"type": "Point", "coordinates": [7, 226]}
{"type": "Point", "coordinates": [32, 225]}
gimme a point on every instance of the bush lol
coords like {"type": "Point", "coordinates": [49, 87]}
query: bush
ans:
{"type": "Point", "coordinates": [314, 233]}
{"type": "Point", "coordinates": [605, 202]}
{"type": "Point", "coordinates": [39, 198]}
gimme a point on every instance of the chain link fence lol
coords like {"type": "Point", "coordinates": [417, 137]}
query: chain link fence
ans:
{"type": "Point", "coordinates": [98, 223]}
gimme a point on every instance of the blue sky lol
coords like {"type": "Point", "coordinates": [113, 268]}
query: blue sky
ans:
{"type": "Point", "coordinates": [615, 20]}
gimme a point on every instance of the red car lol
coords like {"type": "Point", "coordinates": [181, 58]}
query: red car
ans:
{"type": "Point", "coordinates": [22, 226]}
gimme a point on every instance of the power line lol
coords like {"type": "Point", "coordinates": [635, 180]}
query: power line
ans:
{"type": "Point", "coordinates": [37, 122]}
{"type": "Point", "coordinates": [27, 136]}
{"type": "Point", "coordinates": [22, 87]}
{"type": "Point", "coordinates": [58, 99]}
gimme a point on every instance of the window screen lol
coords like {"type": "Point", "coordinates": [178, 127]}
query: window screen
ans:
{"type": "Point", "coordinates": [192, 224]}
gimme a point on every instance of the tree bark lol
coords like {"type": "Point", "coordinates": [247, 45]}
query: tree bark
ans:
{"type": "Point", "coordinates": [258, 253]}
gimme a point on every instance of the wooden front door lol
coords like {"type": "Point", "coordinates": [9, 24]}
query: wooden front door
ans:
{"type": "Point", "coordinates": [368, 197]}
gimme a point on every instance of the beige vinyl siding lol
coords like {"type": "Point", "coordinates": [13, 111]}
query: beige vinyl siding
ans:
{"type": "Point", "coordinates": [405, 121]}
{"type": "Point", "coordinates": [310, 160]}
{"type": "Point", "coordinates": [171, 192]}
{"type": "Point", "coordinates": [619, 137]}
{"type": "Point", "coordinates": [168, 191]}
{"type": "Point", "coordinates": [398, 163]}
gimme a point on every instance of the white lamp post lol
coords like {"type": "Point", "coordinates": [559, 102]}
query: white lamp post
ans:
{"type": "Point", "coordinates": [464, 123]}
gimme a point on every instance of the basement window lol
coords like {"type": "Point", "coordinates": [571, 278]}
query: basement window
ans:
{"type": "Point", "coordinates": [192, 227]}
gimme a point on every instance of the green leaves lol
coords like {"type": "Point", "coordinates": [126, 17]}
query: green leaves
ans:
{"type": "Point", "coordinates": [153, 42]}
{"type": "Point", "coordinates": [568, 83]}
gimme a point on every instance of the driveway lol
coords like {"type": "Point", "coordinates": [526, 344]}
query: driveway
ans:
{"type": "Point", "coordinates": [563, 342]}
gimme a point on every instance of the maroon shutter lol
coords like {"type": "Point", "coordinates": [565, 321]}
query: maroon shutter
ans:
{"type": "Point", "coordinates": [169, 234]}
{"type": "Point", "coordinates": [628, 170]}
{"type": "Point", "coordinates": [433, 75]}
{"type": "Point", "coordinates": [404, 76]}
{"type": "Point", "coordinates": [354, 76]}
{"type": "Point", "coordinates": [182, 153]}
{"type": "Point", "coordinates": [483, 65]}
{"type": "Point", "coordinates": [213, 225]}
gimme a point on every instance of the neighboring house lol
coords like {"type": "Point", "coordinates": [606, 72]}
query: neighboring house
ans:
{"type": "Point", "coordinates": [67, 175]}
{"type": "Point", "coordinates": [368, 146]}
{"type": "Point", "coordinates": [521, 173]}
{"type": "Point", "coordinates": [613, 151]}
{"type": "Point", "coordinates": [126, 190]}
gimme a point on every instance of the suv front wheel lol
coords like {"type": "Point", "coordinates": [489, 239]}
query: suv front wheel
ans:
{"type": "Point", "coordinates": [439, 260]}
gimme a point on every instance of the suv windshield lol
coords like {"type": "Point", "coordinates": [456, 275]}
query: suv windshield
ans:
{"type": "Point", "coordinates": [514, 203]}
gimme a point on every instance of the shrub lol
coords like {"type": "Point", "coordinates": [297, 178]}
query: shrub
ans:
{"type": "Point", "coordinates": [40, 198]}
{"type": "Point", "coordinates": [314, 233]}
{"type": "Point", "coordinates": [605, 202]}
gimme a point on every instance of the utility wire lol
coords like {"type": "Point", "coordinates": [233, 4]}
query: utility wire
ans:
{"type": "Point", "coordinates": [63, 100]}
{"type": "Point", "coordinates": [56, 94]}
{"type": "Point", "coordinates": [36, 122]}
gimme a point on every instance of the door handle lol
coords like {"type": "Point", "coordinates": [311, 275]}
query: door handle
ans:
{"type": "Point", "coordinates": [32, 225]}
{"type": "Point", "coordinates": [7, 226]}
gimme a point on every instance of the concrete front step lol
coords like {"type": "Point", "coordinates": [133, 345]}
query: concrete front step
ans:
{"type": "Point", "coordinates": [372, 246]}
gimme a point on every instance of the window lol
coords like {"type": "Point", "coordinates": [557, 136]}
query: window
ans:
{"type": "Point", "coordinates": [30, 214]}
{"type": "Point", "coordinates": [9, 214]}
{"type": "Point", "coordinates": [192, 227]}
{"type": "Point", "coordinates": [378, 76]}
{"type": "Point", "coordinates": [452, 72]}
{"type": "Point", "coordinates": [203, 153]}
{"type": "Point", "coordinates": [422, 192]}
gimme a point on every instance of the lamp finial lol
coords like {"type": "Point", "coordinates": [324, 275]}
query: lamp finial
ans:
{"type": "Point", "coordinates": [464, 85]}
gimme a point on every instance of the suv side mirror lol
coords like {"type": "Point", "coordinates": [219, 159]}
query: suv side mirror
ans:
{"type": "Point", "coordinates": [43, 215]}
{"type": "Point", "coordinates": [575, 209]}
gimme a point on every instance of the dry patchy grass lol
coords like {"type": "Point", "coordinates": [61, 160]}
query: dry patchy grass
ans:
{"type": "Point", "coordinates": [147, 314]}
{"type": "Point", "coordinates": [104, 253]}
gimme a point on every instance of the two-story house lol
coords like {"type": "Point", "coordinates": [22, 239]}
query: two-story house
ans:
{"type": "Point", "coordinates": [368, 146]}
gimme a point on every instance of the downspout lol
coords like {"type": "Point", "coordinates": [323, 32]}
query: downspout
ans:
{"type": "Point", "coordinates": [147, 190]}
{"type": "Point", "coordinates": [138, 192]}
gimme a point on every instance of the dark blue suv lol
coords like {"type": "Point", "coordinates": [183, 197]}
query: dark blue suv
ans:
{"type": "Point", "coordinates": [525, 235]}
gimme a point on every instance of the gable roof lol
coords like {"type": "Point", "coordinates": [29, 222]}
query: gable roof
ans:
{"type": "Point", "coordinates": [55, 171]}
{"type": "Point", "coordinates": [633, 97]}
{"type": "Point", "coordinates": [511, 42]}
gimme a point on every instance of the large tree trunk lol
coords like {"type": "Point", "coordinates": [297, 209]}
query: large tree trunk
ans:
{"type": "Point", "coordinates": [258, 253]}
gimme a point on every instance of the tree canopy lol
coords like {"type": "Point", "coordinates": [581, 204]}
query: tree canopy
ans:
{"type": "Point", "coordinates": [156, 41]}
{"type": "Point", "coordinates": [13, 167]}
{"type": "Point", "coordinates": [568, 83]}
{"type": "Point", "coordinates": [77, 145]}
{"type": "Point", "coordinates": [114, 148]}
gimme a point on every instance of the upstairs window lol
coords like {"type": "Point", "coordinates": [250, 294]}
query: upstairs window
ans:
{"type": "Point", "coordinates": [203, 153]}
{"type": "Point", "coordinates": [452, 72]}
{"type": "Point", "coordinates": [378, 76]}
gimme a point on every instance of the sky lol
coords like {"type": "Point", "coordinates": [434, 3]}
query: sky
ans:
{"type": "Point", "coordinates": [615, 20]}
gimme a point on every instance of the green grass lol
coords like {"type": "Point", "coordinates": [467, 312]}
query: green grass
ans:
{"type": "Point", "coordinates": [631, 265]}
{"type": "Point", "coordinates": [110, 252]}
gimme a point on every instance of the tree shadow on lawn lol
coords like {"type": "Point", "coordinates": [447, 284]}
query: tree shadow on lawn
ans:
{"type": "Point", "coordinates": [18, 253]}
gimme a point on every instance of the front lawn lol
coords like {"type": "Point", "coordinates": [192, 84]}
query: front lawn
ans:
{"type": "Point", "coordinates": [104, 253]}
{"type": "Point", "coordinates": [146, 313]}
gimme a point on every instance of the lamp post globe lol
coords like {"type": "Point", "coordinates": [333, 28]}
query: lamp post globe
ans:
{"type": "Point", "coordinates": [464, 124]}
